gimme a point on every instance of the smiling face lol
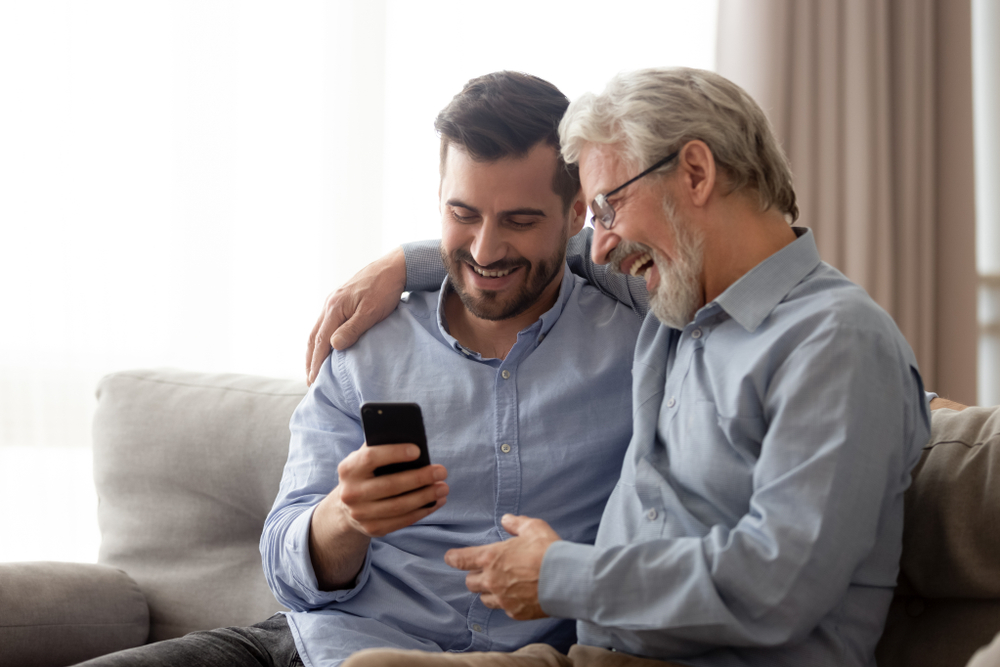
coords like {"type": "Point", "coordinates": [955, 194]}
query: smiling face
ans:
{"type": "Point", "coordinates": [504, 232]}
{"type": "Point", "coordinates": [649, 238]}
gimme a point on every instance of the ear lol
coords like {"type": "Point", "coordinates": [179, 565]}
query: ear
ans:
{"type": "Point", "coordinates": [577, 214]}
{"type": "Point", "coordinates": [697, 166]}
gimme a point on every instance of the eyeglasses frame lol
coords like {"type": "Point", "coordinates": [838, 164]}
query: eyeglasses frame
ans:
{"type": "Point", "coordinates": [601, 203]}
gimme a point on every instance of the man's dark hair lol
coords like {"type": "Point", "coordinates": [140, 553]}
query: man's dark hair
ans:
{"type": "Point", "coordinates": [505, 114]}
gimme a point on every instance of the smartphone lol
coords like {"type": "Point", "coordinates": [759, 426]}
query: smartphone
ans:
{"type": "Point", "coordinates": [394, 423]}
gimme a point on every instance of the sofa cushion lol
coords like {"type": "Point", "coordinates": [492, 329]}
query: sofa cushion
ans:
{"type": "Point", "coordinates": [187, 466]}
{"type": "Point", "coordinates": [64, 613]}
{"type": "Point", "coordinates": [936, 632]}
{"type": "Point", "coordinates": [947, 603]}
{"type": "Point", "coordinates": [951, 539]}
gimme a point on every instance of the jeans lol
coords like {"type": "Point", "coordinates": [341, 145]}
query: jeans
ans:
{"type": "Point", "coordinates": [267, 644]}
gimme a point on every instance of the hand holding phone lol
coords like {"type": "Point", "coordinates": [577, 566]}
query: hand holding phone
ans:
{"type": "Point", "coordinates": [379, 490]}
{"type": "Point", "coordinates": [395, 423]}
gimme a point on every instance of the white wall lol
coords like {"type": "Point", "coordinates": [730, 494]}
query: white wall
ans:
{"type": "Point", "coordinates": [183, 181]}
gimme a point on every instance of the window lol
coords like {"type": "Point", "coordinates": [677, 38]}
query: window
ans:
{"type": "Point", "coordinates": [986, 109]}
{"type": "Point", "coordinates": [181, 184]}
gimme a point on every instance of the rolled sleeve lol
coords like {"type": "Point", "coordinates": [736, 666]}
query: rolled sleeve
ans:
{"type": "Point", "coordinates": [324, 429]}
{"type": "Point", "coordinates": [293, 580]}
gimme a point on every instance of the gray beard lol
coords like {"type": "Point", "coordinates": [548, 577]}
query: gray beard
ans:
{"type": "Point", "coordinates": [678, 296]}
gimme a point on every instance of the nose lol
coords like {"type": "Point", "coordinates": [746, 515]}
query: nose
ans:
{"type": "Point", "coordinates": [488, 246]}
{"type": "Point", "coordinates": [603, 243]}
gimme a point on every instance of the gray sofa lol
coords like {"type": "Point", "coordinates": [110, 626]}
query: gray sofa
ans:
{"type": "Point", "coordinates": [188, 464]}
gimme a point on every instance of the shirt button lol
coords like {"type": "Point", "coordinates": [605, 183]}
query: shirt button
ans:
{"type": "Point", "coordinates": [505, 448]}
{"type": "Point", "coordinates": [505, 374]}
{"type": "Point", "coordinates": [651, 515]}
{"type": "Point", "coordinates": [476, 627]}
{"type": "Point", "coordinates": [671, 403]}
{"type": "Point", "coordinates": [696, 334]}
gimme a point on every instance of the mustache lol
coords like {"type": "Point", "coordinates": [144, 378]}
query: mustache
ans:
{"type": "Point", "coordinates": [623, 250]}
{"type": "Point", "coordinates": [501, 265]}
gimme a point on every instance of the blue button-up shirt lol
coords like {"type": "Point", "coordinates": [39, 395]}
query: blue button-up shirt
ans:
{"type": "Point", "coordinates": [522, 435]}
{"type": "Point", "coordinates": [759, 516]}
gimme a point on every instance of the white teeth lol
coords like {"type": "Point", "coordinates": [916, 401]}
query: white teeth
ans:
{"type": "Point", "coordinates": [491, 274]}
{"type": "Point", "coordinates": [640, 262]}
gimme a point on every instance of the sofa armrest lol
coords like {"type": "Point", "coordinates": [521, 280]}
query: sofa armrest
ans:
{"type": "Point", "coordinates": [54, 614]}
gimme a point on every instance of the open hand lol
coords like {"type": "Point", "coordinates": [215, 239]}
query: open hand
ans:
{"type": "Point", "coordinates": [364, 301]}
{"type": "Point", "coordinates": [506, 573]}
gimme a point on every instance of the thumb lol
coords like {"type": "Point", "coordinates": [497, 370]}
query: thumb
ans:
{"type": "Point", "coordinates": [513, 523]}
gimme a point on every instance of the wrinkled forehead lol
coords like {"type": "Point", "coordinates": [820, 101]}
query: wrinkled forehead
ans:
{"type": "Point", "coordinates": [602, 169]}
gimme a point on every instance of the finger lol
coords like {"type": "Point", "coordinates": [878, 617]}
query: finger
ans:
{"type": "Point", "coordinates": [469, 558]}
{"type": "Point", "coordinates": [376, 456]}
{"type": "Point", "coordinates": [526, 525]}
{"type": "Point", "coordinates": [403, 483]}
{"type": "Point", "coordinates": [310, 346]}
{"type": "Point", "coordinates": [333, 316]}
{"type": "Point", "coordinates": [388, 507]}
{"type": "Point", "coordinates": [475, 582]}
{"type": "Point", "coordinates": [513, 523]}
{"type": "Point", "coordinates": [348, 333]}
{"type": "Point", "coordinates": [490, 600]}
{"type": "Point", "coordinates": [383, 526]}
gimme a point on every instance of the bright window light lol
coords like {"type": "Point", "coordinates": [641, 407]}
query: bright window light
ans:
{"type": "Point", "coordinates": [183, 181]}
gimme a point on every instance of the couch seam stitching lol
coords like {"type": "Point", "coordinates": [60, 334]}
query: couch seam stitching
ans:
{"type": "Point", "coordinates": [204, 386]}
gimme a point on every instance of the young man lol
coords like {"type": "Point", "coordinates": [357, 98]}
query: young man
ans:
{"type": "Point", "coordinates": [506, 359]}
{"type": "Point", "coordinates": [778, 412]}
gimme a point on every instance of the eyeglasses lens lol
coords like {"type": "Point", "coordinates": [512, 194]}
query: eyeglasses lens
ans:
{"type": "Point", "coordinates": [603, 212]}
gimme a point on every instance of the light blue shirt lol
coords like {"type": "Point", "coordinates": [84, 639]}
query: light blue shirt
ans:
{"type": "Point", "coordinates": [759, 516]}
{"type": "Point", "coordinates": [522, 435]}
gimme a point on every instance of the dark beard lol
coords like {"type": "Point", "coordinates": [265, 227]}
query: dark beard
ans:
{"type": "Point", "coordinates": [489, 306]}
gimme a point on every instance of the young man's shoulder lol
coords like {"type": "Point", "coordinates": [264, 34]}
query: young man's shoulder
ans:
{"type": "Point", "coordinates": [599, 308]}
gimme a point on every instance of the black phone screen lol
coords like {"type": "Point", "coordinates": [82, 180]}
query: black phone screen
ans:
{"type": "Point", "coordinates": [394, 423]}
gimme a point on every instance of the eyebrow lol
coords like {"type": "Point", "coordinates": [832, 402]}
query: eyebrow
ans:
{"type": "Point", "coordinates": [503, 214]}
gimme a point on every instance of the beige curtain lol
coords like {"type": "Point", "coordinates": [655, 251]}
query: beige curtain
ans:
{"type": "Point", "coordinates": [850, 87]}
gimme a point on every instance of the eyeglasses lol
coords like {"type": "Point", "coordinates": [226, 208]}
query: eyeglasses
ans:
{"type": "Point", "coordinates": [604, 212]}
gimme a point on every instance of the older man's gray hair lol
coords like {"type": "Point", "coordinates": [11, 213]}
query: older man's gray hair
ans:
{"type": "Point", "coordinates": [653, 112]}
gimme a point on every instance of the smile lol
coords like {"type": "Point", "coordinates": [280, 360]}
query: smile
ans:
{"type": "Point", "coordinates": [640, 265]}
{"type": "Point", "coordinates": [491, 274]}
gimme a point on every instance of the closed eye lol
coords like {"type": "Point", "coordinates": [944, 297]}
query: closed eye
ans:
{"type": "Point", "coordinates": [522, 223]}
{"type": "Point", "coordinates": [464, 215]}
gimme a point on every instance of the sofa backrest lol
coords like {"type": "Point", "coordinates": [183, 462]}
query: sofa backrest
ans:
{"type": "Point", "coordinates": [947, 603]}
{"type": "Point", "coordinates": [186, 467]}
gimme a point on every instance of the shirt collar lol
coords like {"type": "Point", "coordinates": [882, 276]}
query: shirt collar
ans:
{"type": "Point", "coordinates": [752, 298]}
{"type": "Point", "coordinates": [539, 327]}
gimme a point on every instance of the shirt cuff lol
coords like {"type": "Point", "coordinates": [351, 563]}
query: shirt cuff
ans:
{"type": "Point", "coordinates": [424, 270]}
{"type": "Point", "coordinates": [301, 568]}
{"type": "Point", "coordinates": [565, 583]}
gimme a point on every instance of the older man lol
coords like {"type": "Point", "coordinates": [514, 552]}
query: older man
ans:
{"type": "Point", "coordinates": [777, 411]}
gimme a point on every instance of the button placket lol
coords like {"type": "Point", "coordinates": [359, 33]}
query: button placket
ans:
{"type": "Point", "coordinates": [506, 444]}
